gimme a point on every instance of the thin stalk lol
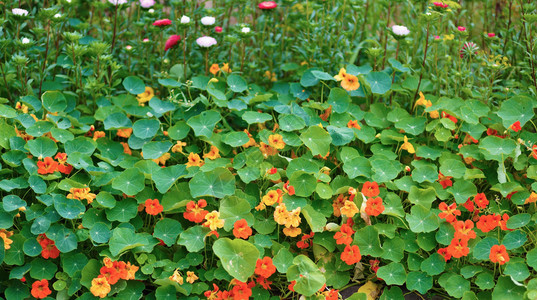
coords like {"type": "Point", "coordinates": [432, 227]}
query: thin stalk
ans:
{"type": "Point", "coordinates": [44, 60]}
{"type": "Point", "coordinates": [386, 37]}
{"type": "Point", "coordinates": [422, 64]}
{"type": "Point", "coordinates": [5, 82]}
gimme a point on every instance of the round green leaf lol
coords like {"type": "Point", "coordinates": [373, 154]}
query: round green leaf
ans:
{"type": "Point", "coordinates": [238, 257]}
{"type": "Point", "coordinates": [204, 123]}
{"type": "Point", "coordinates": [134, 85]}
{"type": "Point", "coordinates": [54, 101]}
{"type": "Point", "coordinates": [43, 269]}
{"type": "Point", "coordinates": [130, 181]}
{"type": "Point", "coordinates": [42, 147]}
{"type": "Point", "coordinates": [317, 140]}
{"type": "Point", "coordinates": [339, 99]}
{"type": "Point", "coordinates": [304, 183]}
{"type": "Point", "coordinates": [193, 238]}
{"type": "Point", "coordinates": [216, 183]}
{"type": "Point", "coordinates": [68, 208]}
{"type": "Point", "coordinates": [419, 281]}
{"type": "Point", "coordinates": [392, 273]}
{"type": "Point", "coordinates": [100, 233]}
{"type": "Point", "coordinates": [145, 129]}
{"type": "Point", "coordinates": [456, 286]}
{"type": "Point", "coordinates": [252, 117]}
{"type": "Point", "coordinates": [236, 83]}
{"type": "Point", "coordinates": [154, 150]}
{"type": "Point", "coordinates": [379, 82]}
{"type": "Point", "coordinates": [167, 230]}
{"type": "Point", "coordinates": [164, 178]}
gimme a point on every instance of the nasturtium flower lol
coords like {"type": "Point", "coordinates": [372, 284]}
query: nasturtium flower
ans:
{"type": "Point", "coordinates": [458, 248]}
{"type": "Point", "coordinates": [531, 199]}
{"type": "Point", "coordinates": [349, 209]}
{"type": "Point", "coordinates": [212, 295]}
{"type": "Point", "coordinates": [487, 223]}
{"type": "Point", "coordinates": [263, 282]}
{"type": "Point", "coordinates": [241, 230]}
{"type": "Point", "coordinates": [449, 213]}
{"type": "Point", "coordinates": [125, 132]}
{"type": "Point", "coordinates": [498, 254]}
{"type": "Point", "coordinates": [276, 141]}
{"type": "Point", "coordinates": [338, 203]}
{"type": "Point", "coordinates": [145, 96]}
{"type": "Point", "coordinates": [176, 277]}
{"type": "Point", "coordinates": [344, 235]}
{"type": "Point", "coordinates": [178, 147]}
{"type": "Point", "coordinates": [515, 126]}
{"type": "Point", "coordinates": [305, 241]}
{"type": "Point", "coordinates": [40, 289]}
{"type": "Point", "coordinates": [445, 181]}
{"type": "Point", "coordinates": [5, 235]}
{"type": "Point", "coordinates": [292, 231]}
{"type": "Point", "coordinates": [195, 212]}
{"type": "Point", "coordinates": [444, 253]}
{"type": "Point", "coordinates": [100, 287]}
{"type": "Point", "coordinates": [407, 146]}
{"type": "Point", "coordinates": [81, 194]}
{"type": "Point", "coordinates": [342, 73]}
{"type": "Point", "coordinates": [226, 68]}
{"type": "Point", "coordinates": [481, 200]}
{"type": "Point", "coordinates": [350, 82]}
{"type": "Point", "coordinates": [293, 218]}
{"type": "Point", "coordinates": [213, 220]}
{"type": "Point", "coordinates": [213, 154]}
{"type": "Point", "coordinates": [264, 267]}
{"type": "Point", "coordinates": [22, 107]}
{"type": "Point", "coordinates": [214, 69]}
{"type": "Point", "coordinates": [241, 291]}
{"type": "Point", "coordinates": [463, 230]}
{"type": "Point", "coordinates": [331, 294]}
{"type": "Point", "coordinates": [126, 148]}
{"type": "Point", "coordinates": [272, 197]}
{"type": "Point", "coordinates": [289, 189]}
{"type": "Point", "coordinates": [351, 254]}
{"type": "Point", "coordinates": [353, 124]}
{"type": "Point", "coordinates": [267, 150]}
{"type": "Point", "coordinates": [131, 271]}
{"type": "Point", "coordinates": [63, 166]}
{"type": "Point", "coordinates": [48, 248]}
{"type": "Point", "coordinates": [191, 277]}
{"type": "Point", "coordinates": [111, 274]}
{"type": "Point", "coordinates": [98, 134]}
{"type": "Point", "coordinates": [153, 207]}
{"type": "Point", "coordinates": [370, 189]}
{"type": "Point", "coordinates": [374, 206]}
{"type": "Point", "coordinates": [47, 166]}
{"type": "Point", "coordinates": [194, 160]}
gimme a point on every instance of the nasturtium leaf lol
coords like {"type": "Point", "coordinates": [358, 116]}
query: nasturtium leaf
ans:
{"type": "Point", "coordinates": [514, 240]}
{"type": "Point", "coordinates": [236, 83]}
{"type": "Point", "coordinates": [146, 128]}
{"type": "Point", "coordinates": [517, 269]}
{"type": "Point", "coordinates": [117, 121]}
{"type": "Point", "coordinates": [434, 264]}
{"type": "Point", "coordinates": [325, 239]}
{"type": "Point", "coordinates": [470, 271]}
{"type": "Point", "coordinates": [161, 107]}
{"type": "Point", "coordinates": [462, 190]}
{"type": "Point", "coordinates": [164, 178]}
{"type": "Point", "coordinates": [322, 75]}
{"type": "Point", "coordinates": [324, 191]}
{"type": "Point", "coordinates": [204, 123]}
{"type": "Point", "coordinates": [518, 108]}
{"type": "Point", "coordinates": [39, 128]}
{"type": "Point", "coordinates": [82, 145]}
{"type": "Point", "coordinates": [385, 170]}
{"type": "Point", "coordinates": [367, 239]}
{"type": "Point", "coordinates": [100, 233]}
{"type": "Point", "coordinates": [309, 279]}
{"type": "Point", "coordinates": [379, 82]}
{"type": "Point", "coordinates": [283, 260]}
{"type": "Point", "coordinates": [428, 152]}
{"type": "Point", "coordinates": [518, 221]}
{"type": "Point", "coordinates": [106, 199]}
{"type": "Point", "coordinates": [425, 173]}
{"type": "Point", "coordinates": [42, 147]}
{"type": "Point", "coordinates": [154, 150]}
{"type": "Point", "coordinates": [68, 208]}
{"type": "Point", "coordinates": [481, 250]}
{"type": "Point", "coordinates": [37, 184]}
{"type": "Point", "coordinates": [167, 230]}
{"type": "Point", "coordinates": [73, 262]}
{"type": "Point", "coordinates": [289, 122]}
{"type": "Point", "coordinates": [43, 269]}
{"type": "Point", "coordinates": [419, 281]}
{"type": "Point", "coordinates": [179, 130]}
{"type": "Point", "coordinates": [304, 183]}
{"type": "Point", "coordinates": [445, 233]}
{"type": "Point", "coordinates": [123, 211]}
{"type": "Point", "coordinates": [40, 225]}
{"type": "Point", "coordinates": [485, 281]}
{"type": "Point", "coordinates": [452, 167]}
{"type": "Point", "coordinates": [317, 140]}
{"type": "Point", "coordinates": [531, 258]}
{"type": "Point", "coordinates": [131, 181]}
{"type": "Point", "coordinates": [390, 293]}
{"type": "Point", "coordinates": [124, 239]}
{"type": "Point", "coordinates": [392, 273]}
{"type": "Point", "coordinates": [315, 219]}
{"type": "Point", "coordinates": [423, 197]}
{"type": "Point", "coordinates": [248, 174]}
{"type": "Point", "coordinates": [412, 125]}
{"type": "Point", "coordinates": [54, 101]}
{"type": "Point", "coordinates": [506, 289]}
{"type": "Point", "coordinates": [32, 247]}
{"type": "Point", "coordinates": [393, 249]}
{"type": "Point", "coordinates": [340, 136]}
{"type": "Point", "coordinates": [134, 85]}
{"type": "Point", "coordinates": [216, 183]}
{"type": "Point", "coordinates": [252, 117]}
{"type": "Point", "coordinates": [422, 219]}
{"type": "Point", "coordinates": [238, 257]}
{"type": "Point", "coordinates": [339, 99]}
{"type": "Point", "coordinates": [236, 138]}
{"type": "Point", "coordinates": [64, 239]}
{"type": "Point", "coordinates": [234, 208]}
{"type": "Point", "coordinates": [193, 238]}
{"type": "Point", "coordinates": [13, 202]}
{"type": "Point", "coordinates": [497, 148]}
{"type": "Point", "coordinates": [457, 285]}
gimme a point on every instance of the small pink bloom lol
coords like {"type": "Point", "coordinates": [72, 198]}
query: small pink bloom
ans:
{"type": "Point", "coordinates": [172, 41]}
{"type": "Point", "coordinates": [440, 4]}
{"type": "Point", "coordinates": [267, 5]}
{"type": "Point", "coordinates": [436, 37]}
{"type": "Point", "coordinates": [163, 22]}
{"type": "Point", "coordinates": [491, 34]}
{"type": "Point", "coordinates": [461, 29]}
{"type": "Point", "coordinates": [218, 29]}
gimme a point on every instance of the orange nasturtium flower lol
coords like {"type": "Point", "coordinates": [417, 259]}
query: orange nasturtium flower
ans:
{"type": "Point", "coordinates": [267, 150]}
{"type": "Point", "coordinates": [370, 189]}
{"type": "Point", "coordinates": [449, 213]}
{"type": "Point", "coordinates": [47, 166]}
{"type": "Point", "coordinates": [407, 146]}
{"type": "Point", "coordinates": [349, 209]}
{"type": "Point", "coordinates": [292, 231]}
{"type": "Point", "coordinates": [214, 69]}
{"type": "Point", "coordinates": [153, 207]}
{"type": "Point", "coordinates": [374, 206]}
{"type": "Point", "coordinates": [178, 147]}
{"type": "Point", "coordinates": [126, 148]}
{"type": "Point", "coordinates": [241, 230]}
{"type": "Point", "coordinates": [5, 235]}
{"type": "Point", "coordinates": [458, 248]}
{"type": "Point", "coordinates": [344, 235]}
{"type": "Point", "coordinates": [98, 134]}
{"type": "Point", "coordinates": [100, 287]}
{"type": "Point", "coordinates": [124, 133]}
{"type": "Point", "coordinates": [213, 220]}
{"type": "Point", "coordinates": [176, 277]}
{"type": "Point", "coordinates": [191, 277]}
{"type": "Point", "coordinates": [351, 254]}
{"type": "Point", "coordinates": [463, 230]}
{"type": "Point", "coordinates": [81, 194]}
{"type": "Point", "coordinates": [264, 267]}
{"type": "Point", "coordinates": [272, 197]}
{"type": "Point", "coordinates": [276, 141]}
{"type": "Point", "coordinates": [40, 289]}
{"type": "Point", "coordinates": [341, 75]}
{"type": "Point", "coordinates": [353, 124]}
{"type": "Point", "coordinates": [226, 68]}
{"type": "Point", "coordinates": [213, 154]}
{"type": "Point", "coordinates": [63, 166]}
{"type": "Point", "coordinates": [498, 254]}
{"type": "Point", "coordinates": [350, 82]}
{"type": "Point", "coordinates": [194, 160]}
{"type": "Point", "coordinates": [145, 96]}
{"type": "Point", "coordinates": [481, 200]}
{"type": "Point", "coordinates": [195, 212]}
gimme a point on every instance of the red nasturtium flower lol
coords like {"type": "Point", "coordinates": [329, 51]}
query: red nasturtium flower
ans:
{"type": "Point", "coordinates": [445, 181]}
{"type": "Point", "coordinates": [241, 229]}
{"type": "Point", "coordinates": [48, 247]}
{"type": "Point", "coordinates": [449, 213]}
{"type": "Point", "coordinates": [111, 274]}
{"type": "Point", "coordinates": [445, 253]}
{"type": "Point", "coordinates": [374, 206]}
{"type": "Point", "coordinates": [289, 188]}
{"type": "Point", "coordinates": [463, 230]}
{"type": "Point", "coordinates": [263, 282]}
{"type": "Point", "coordinates": [172, 41]}
{"type": "Point", "coordinates": [195, 212]}
{"type": "Point", "coordinates": [534, 151]}
{"type": "Point", "coordinates": [305, 241]}
{"type": "Point", "coordinates": [344, 235]}
{"type": "Point", "coordinates": [212, 295]}
{"type": "Point", "coordinates": [40, 289]}
{"type": "Point", "coordinates": [498, 254]}
{"type": "Point", "coordinates": [163, 22]}
{"type": "Point", "coordinates": [153, 207]}
{"type": "Point", "coordinates": [63, 166]}
{"type": "Point", "coordinates": [487, 223]}
{"type": "Point", "coordinates": [481, 200]}
{"type": "Point", "coordinates": [264, 267]}
{"type": "Point", "coordinates": [458, 248]}
{"type": "Point", "coordinates": [446, 115]}
{"type": "Point", "coordinates": [515, 126]}
{"type": "Point", "coordinates": [241, 291]}
{"type": "Point", "coordinates": [469, 205]}
{"type": "Point", "coordinates": [370, 189]}
{"type": "Point", "coordinates": [351, 255]}
{"type": "Point", "coordinates": [268, 5]}
{"type": "Point", "coordinates": [47, 166]}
